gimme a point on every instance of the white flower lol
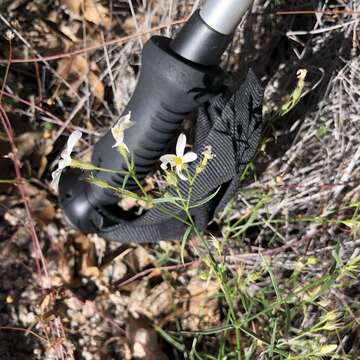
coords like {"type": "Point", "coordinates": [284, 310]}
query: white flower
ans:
{"type": "Point", "coordinates": [179, 160]}
{"type": "Point", "coordinates": [119, 128]}
{"type": "Point", "coordinates": [65, 158]}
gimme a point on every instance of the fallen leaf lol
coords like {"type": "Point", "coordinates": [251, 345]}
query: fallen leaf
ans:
{"type": "Point", "coordinates": [129, 24]}
{"type": "Point", "coordinates": [45, 302]}
{"type": "Point", "coordinates": [203, 310]}
{"type": "Point", "coordinates": [26, 142]}
{"type": "Point", "coordinates": [96, 86]}
{"type": "Point", "coordinates": [77, 70]}
{"type": "Point", "coordinates": [96, 13]}
{"type": "Point", "coordinates": [70, 31]}
{"type": "Point", "coordinates": [87, 257]}
{"type": "Point", "coordinates": [153, 302]}
{"type": "Point", "coordinates": [45, 148]}
{"type": "Point", "coordinates": [143, 256]}
{"type": "Point", "coordinates": [160, 299]}
{"type": "Point", "coordinates": [73, 70]}
{"type": "Point", "coordinates": [73, 5]}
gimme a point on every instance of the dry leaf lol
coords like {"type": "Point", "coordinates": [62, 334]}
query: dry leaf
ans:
{"type": "Point", "coordinates": [77, 70]}
{"type": "Point", "coordinates": [129, 25]}
{"type": "Point", "coordinates": [45, 148]}
{"type": "Point", "coordinates": [70, 31]}
{"type": "Point", "coordinates": [73, 70]}
{"type": "Point", "coordinates": [96, 13]}
{"type": "Point", "coordinates": [160, 300]}
{"type": "Point", "coordinates": [26, 143]}
{"type": "Point", "coordinates": [73, 5]}
{"type": "Point", "coordinates": [143, 257]}
{"type": "Point", "coordinates": [96, 86]}
{"type": "Point", "coordinates": [152, 303]}
{"type": "Point", "coordinates": [87, 257]}
{"type": "Point", "coordinates": [45, 302]}
{"type": "Point", "coordinates": [203, 307]}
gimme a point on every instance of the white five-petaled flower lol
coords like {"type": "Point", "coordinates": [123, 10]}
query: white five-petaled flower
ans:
{"type": "Point", "coordinates": [119, 128]}
{"type": "Point", "coordinates": [180, 159]}
{"type": "Point", "coordinates": [65, 158]}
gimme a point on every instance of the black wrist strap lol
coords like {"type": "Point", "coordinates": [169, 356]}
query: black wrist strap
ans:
{"type": "Point", "coordinates": [232, 125]}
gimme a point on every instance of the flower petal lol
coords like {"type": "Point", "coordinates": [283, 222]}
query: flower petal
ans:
{"type": "Point", "coordinates": [167, 159]}
{"type": "Point", "coordinates": [180, 174]}
{"type": "Point", "coordinates": [126, 120]}
{"type": "Point", "coordinates": [128, 124]}
{"type": "Point", "coordinates": [189, 157]}
{"type": "Point", "coordinates": [63, 164]}
{"type": "Point", "coordinates": [118, 134]}
{"type": "Point", "coordinates": [117, 144]}
{"type": "Point", "coordinates": [55, 179]}
{"type": "Point", "coordinates": [180, 145]}
{"type": "Point", "coordinates": [73, 140]}
{"type": "Point", "coordinates": [119, 128]}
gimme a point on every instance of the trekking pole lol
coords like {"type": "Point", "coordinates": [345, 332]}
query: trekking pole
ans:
{"type": "Point", "coordinates": [177, 76]}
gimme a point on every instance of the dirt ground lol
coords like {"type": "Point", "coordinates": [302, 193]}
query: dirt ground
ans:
{"type": "Point", "coordinates": [64, 295]}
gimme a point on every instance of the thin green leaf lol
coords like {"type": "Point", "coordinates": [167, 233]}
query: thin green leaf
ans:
{"type": "Point", "coordinates": [170, 339]}
{"type": "Point", "coordinates": [183, 243]}
{"type": "Point", "coordinates": [205, 200]}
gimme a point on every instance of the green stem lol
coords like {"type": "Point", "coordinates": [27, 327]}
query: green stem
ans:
{"type": "Point", "coordinates": [222, 282]}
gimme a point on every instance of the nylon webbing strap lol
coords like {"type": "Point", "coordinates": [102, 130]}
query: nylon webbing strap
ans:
{"type": "Point", "coordinates": [232, 125]}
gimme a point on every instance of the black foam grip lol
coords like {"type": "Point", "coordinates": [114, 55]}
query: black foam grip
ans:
{"type": "Point", "coordinates": [168, 88]}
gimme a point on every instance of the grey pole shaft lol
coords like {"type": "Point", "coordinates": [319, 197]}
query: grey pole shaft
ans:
{"type": "Point", "coordinates": [224, 15]}
{"type": "Point", "coordinates": [209, 31]}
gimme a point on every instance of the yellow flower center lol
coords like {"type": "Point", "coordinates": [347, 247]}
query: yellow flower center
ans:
{"type": "Point", "coordinates": [178, 161]}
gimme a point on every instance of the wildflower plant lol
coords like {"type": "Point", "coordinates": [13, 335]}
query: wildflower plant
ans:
{"type": "Point", "coordinates": [180, 171]}
{"type": "Point", "coordinates": [175, 169]}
